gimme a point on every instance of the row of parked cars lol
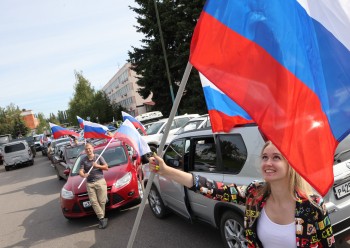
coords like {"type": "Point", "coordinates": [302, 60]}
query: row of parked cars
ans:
{"type": "Point", "coordinates": [230, 157]}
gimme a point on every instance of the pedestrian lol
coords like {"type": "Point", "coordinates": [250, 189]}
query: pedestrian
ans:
{"type": "Point", "coordinates": [281, 211]}
{"type": "Point", "coordinates": [95, 182]}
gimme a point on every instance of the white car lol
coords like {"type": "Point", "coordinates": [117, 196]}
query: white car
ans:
{"type": "Point", "coordinates": [202, 121]}
{"type": "Point", "coordinates": [156, 130]}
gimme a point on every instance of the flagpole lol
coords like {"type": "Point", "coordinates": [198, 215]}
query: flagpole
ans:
{"type": "Point", "coordinates": [96, 160]}
{"type": "Point", "coordinates": [160, 151]}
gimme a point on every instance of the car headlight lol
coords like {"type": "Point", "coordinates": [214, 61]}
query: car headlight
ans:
{"type": "Point", "coordinates": [123, 181]}
{"type": "Point", "coordinates": [66, 194]}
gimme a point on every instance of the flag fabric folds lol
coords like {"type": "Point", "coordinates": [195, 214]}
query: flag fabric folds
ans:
{"type": "Point", "coordinates": [286, 63]}
{"type": "Point", "coordinates": [127, 131]}
{"type": "Point", "coordinates": [224, 113]}
{"type": "Point", "coordinates": [81, 122]}
{"type": "Point", "coordinates": [58, 131]}
{"type": "Point", "coordinates": [134, 121]}
{"type": "Point", "coordinates": [95, 131]}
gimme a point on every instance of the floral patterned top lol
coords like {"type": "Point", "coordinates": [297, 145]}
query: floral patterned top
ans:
{"type": "Point", "coordinates": [312, 223]}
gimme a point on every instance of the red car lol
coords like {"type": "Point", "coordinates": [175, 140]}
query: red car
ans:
{"type": "Point", "coordinates": [124, 187]}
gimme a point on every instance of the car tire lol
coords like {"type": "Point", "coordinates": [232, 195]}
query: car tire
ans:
{"type": "Point", "coordinates": [7, 168]}
{"type": "Point", "coordinates": [32, 162]}
{"type": "Point", "coordinates": [232, 230]}
{"type": "Point", "coordinates": [156, 203]}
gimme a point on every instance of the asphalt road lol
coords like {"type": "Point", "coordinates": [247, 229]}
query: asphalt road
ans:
{"type": "Point", "coordinates": [31, 217]}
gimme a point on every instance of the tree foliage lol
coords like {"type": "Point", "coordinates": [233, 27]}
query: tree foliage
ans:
{"type": "Point", "coordinates": [178, 19]}
{"type": "Point", "coordinates": [87, 102]}
{"type": "Point", "coordinates": [11, 121]}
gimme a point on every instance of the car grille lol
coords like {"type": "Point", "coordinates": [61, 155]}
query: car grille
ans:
{"type": "Point", "coordinates": [117, 198]}
{"type": "Point", "coordinates": [76, 208]}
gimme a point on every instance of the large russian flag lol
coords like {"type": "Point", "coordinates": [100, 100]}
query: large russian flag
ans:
{"type": "Point", "coordinates": [58, 131]}
{"type": "Point", "coordinates": [80, 121]}
{"type": "Point", "coordinates": [287, 64]}
{"type": "Point", "coordinates": [95, 131]}
{"type": "Point", "coordinates": [224, 113]}
{"type": "Point", "coordinates": [134, 121]}
{"type": "Point", "coordinates": [127, 131]}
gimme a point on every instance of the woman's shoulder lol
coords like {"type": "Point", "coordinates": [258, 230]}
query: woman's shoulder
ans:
{"type": "Point", "coordinates": [254, 186]}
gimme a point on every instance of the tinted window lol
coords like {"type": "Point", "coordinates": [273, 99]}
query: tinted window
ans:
{"type": "Point", "coordinates": [174, 154]}
{"type": "Point", "coordinates": [204, 155]}
{"type": "Point", "coordinates": [233, 151]}
{"type": "Point", "coordinates": [74, 152]}
{"type": "Point", "coordinates": [14, 148]}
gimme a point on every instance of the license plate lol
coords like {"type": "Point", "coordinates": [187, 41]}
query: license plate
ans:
{"type": "Point", "coordinates": [86, 204]}
{"type": "Point", "coordinates": [342, 190]}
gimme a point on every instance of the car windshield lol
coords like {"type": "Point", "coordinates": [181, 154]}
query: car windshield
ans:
{"type": "Point", "coordinates": [37, 138]}
{"type": "Point", "coordinates": [154, 128]}
{"type": "Point", "coordinates": [73, 152]}
{"type": "Point", "coordinates": [114, 156]}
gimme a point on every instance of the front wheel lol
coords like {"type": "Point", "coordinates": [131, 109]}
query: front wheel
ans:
{"type": "Point", "coordinates": [156, 203]}
{"type": "Point", "coordinates": [232, 230]}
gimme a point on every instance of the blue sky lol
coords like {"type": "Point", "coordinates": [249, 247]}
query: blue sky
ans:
{"type": "Point", "coordinates": [43, 42]}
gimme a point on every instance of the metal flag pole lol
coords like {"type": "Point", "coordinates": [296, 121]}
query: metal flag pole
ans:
{"type": "Point", "coordinates": [96, 160]}
{"type": "Point", "coordinates": [160, 149]}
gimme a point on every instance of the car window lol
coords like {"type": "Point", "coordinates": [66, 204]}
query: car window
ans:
{"type": "Point", "coordinates": [14, 148]}
{"type": "Point", "coordinates": [173, 155]}
{"type": "Point", "coordinates": [204, 154]}
{"type": "Point", "coordinates": [154, 128]}
{"type": "Point", "coordinates": [233, 152]}
{"type": "Point", "coordinates": [74, 152]}
{"type": "Point", "coordinates": [180, 122]}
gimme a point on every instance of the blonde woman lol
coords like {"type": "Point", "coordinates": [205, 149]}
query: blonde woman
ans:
{"type": "Point", "coordinates": [281, 211]}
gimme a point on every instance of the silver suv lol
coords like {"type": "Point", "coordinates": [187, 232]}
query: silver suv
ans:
{"type": "Point", "coordinates": [227, 157]}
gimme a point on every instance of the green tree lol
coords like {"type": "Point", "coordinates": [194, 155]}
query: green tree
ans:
{"type": "Point", "coordinates": [53, 119]}
{"type": "Point", "coordinates": [81, 103]}
{"type": "Point", "coordinates": [11, 121]}
{"type": "Point", "coordinates": [101, 108]}
{"type": "Point", "coordinates": [178, 19]}
{"type": "Point", "coordinates": [43, 124]}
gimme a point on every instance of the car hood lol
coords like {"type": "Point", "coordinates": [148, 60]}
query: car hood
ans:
{"type": "Point", "coordinates": [111, 176]}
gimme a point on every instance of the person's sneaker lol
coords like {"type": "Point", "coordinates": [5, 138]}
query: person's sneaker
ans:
{"type": "Point", "coordinates": [103, 223]}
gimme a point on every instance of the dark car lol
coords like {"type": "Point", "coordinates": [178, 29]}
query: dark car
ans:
{"type": "Point", "coordinates": [124, 188]}
{"type": "Point", "coordinates": [66, 161]}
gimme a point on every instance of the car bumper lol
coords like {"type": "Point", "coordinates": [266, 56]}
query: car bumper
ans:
{"type": "Point", "coordinates": [125, 197]}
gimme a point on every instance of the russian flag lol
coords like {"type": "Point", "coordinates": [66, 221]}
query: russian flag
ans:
{"type": "Point", "coordinates": [134, 121]}
{"type": "Point", "coordinates": [287, 64]}
{"type": "Point", "coordinates": [58, 131]}
{"type": "Point", "coordinates": [81, 122]}
{"type": "Point", "coordinates": [224, 113]}
{"type": "Point", "coordinates": [127, 131]}
{"type": "Point", "coordinates": [95, 130]}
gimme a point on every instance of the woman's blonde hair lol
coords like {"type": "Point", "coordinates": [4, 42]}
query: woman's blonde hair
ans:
{"type": "Point", "coordinates": [297, 183]}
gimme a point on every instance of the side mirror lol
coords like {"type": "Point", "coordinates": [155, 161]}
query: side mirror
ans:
{"type": "Point", "coordinates": [134, 157]}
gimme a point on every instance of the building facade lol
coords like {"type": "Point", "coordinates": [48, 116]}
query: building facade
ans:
{"type": "Point", "coordinates": [122, 90]}
{"type": "Point", "coordinates": [29, 119]}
